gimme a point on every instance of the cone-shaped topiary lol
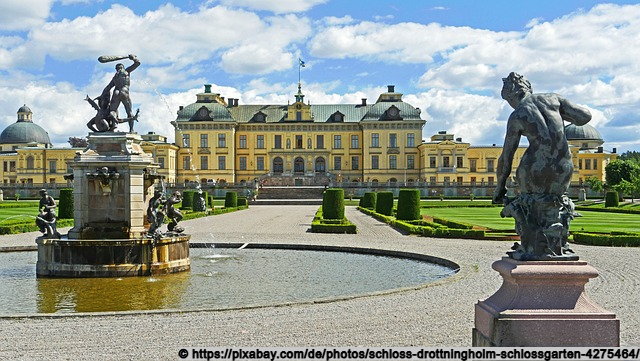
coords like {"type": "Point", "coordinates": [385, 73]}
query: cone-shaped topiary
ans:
{"type": "Point", "coordinates": [333, 204]}
{"type": "Point", "coordinates": [65, 203]}
{"type": "Point", "coordinates": [230, 199]}
{"type": "Point", "coordinates": [369, 200]}
{"type": "Point", "coordinates": [384, 203]}
{"type": "Point", "coordinates": [408, 205]}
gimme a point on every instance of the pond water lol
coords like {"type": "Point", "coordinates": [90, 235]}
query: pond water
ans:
{"type": "Point", "coordinates": [219, 278]}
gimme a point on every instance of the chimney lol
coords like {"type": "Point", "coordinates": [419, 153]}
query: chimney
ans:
{"type": "Point", "coordinates": [600, 149]}
{"type": "Point", "coordinates": [181, 107]}
{"type": "Point", "coordinates": [364, 101]}
{"type": "Point", "coordinates": [207, 88]}
{"type": "Point", "coordinates": [229, 102]}
{"type": "Point", "coordinates": [235, 102]}
{"type": "Point", "coordinates": [615, 150]}
{"type": "Point", "coordinates": [442, 132]}
{"type": "Point", "coordinates": [459, 140]}
{"type": "Point", "coordinates": [391, 88]}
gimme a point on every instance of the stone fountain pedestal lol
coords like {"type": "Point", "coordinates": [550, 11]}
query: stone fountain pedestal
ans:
{"type": "Point", "coordinates": [113, 180]}
{"type": "Point", "coordinates": [543, 304]}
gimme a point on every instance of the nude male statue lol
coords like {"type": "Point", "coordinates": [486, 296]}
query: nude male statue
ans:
{"type": "Point", "coordinates": [542, 211]}
{"type": "Point", "coordinates": [120, 84]}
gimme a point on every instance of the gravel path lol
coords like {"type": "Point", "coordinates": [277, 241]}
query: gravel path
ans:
{"type": "Point", "coordinates": [440, 314]}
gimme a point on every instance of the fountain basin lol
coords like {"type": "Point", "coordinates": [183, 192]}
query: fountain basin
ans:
{"type": "Point", "coordinates": [112, 257]}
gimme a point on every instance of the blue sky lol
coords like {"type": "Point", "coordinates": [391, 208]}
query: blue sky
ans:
{"type": "Point", "coordinates": [446, 57]}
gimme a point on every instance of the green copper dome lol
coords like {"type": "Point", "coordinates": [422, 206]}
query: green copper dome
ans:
{"type": "Point", "coordinates": [24, 131]}
{"type": "Point", "coordinates": [582, 132]}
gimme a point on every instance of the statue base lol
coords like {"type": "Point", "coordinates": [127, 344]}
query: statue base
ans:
{"type": "Point", "coordinates": [112, 257]}
{"type": "Point", "coordinates": [543, 304]}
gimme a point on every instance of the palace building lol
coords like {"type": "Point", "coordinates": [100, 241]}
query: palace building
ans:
{"type": "Point", "coordinates": [300, 143]}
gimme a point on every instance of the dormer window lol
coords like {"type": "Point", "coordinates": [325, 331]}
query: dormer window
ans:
{"type": "Point", "coordinates": [337, 117]}
{"type": "Point", "coordinates": [202, 114]}
{"type": "Point", "coordinates": [393, 113]}
{"type": "Point", "coordinates": [259, 117]}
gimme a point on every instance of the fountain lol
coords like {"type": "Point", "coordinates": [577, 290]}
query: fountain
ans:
{"type": "Point", "coordinates": [113, 182]}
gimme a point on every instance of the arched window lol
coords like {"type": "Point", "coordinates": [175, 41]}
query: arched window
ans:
{"type": "Point", "coordinates": [298, 165]}
{"type": "Point", "coordinates": [278, 166]}
{"type": "Point", "coordinates": [320, 164]}
{"type": "Point", "coordinates": [30, 162]}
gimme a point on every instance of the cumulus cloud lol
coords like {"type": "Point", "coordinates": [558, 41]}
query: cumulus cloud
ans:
{"type": "Point", "coordinates": [23, 14]}
{"type": "Point", "coordinates": [278, 7]}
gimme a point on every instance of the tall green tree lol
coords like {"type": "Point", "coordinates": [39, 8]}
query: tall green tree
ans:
{"type": "Point", "coordinates": [619, 170]}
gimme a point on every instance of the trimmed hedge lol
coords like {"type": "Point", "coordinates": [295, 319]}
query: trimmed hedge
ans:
{"type": "Point", "coordinates": [242, 202]}
{"type": "Point", "coordinates": [65, 204]}
{"type": "Point", "coordinates": [369, 200]}
{"type": "Point", "coordinates": [199, 201]}
{"type": "Point", "coordinates": [230, 199]}
{"type": "Point", "coordinates": [452, 224]}
{"type": "Point", "coordinates": [321, 225]}
{"type": "Point", "coordinates": [333, 203]}
{"type": "Point", "coordinates": [408, 205]}
{"type": "Point", "coordinates": [631, 240]}
{"type": "Point", "coordinates": [609, 210]}
{"type": "Point", "coordinates": [611, 199]}
{"type": "Point", "coordinates": [384, 203]}
{"type": "Point", "coordinates": [187, 199]}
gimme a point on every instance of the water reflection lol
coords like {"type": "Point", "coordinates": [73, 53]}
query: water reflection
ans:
{"type": "Point", "coordinates": [219, 278]}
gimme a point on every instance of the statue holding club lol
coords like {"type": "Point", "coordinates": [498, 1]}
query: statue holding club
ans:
{"type": "Point", "coordinates": [107, 118]}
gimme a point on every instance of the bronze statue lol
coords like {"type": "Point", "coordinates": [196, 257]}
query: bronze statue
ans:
{"type": "Point", "coordinates": [46, 218]}
{"type": "Point", "coordinates": [155, 215]}
{"type": "Point", "coordinates": [106, 118]}
{"type": "Point", "coordinates": [542, 211]}
{"type": "Point", "coordinates": [173, 213]}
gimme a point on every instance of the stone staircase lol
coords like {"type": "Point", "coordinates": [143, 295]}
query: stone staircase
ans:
{"type": "Point", "coordinates": [276, 195]}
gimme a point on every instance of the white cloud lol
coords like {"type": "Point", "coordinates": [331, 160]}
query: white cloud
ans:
{"type": "Point", "coordinates": [278, 7]}
{"type": "Point", "coordinates": [23, 14]}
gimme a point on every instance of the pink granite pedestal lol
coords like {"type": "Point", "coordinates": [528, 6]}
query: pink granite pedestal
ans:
{"type": "Point", "coordinates": [543, 304]}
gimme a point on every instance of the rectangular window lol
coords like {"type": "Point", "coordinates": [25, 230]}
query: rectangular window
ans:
{"type": "Point", "coordinates": [161, 162]}
{"type": "Point", "coordinates": [473, 181]}
{"type": "Point", "coordinates": [375, 140]}
{"type": "Point", "coordinates": [595, 164]}
{"type": "Point", "coordinates": [53, 166]}
{"type": "Point", "coordinates": [277, 141]}
{"type": "Point", "coordinates": [490, 179]}
{"type": "Point", "coordinates": [222, 162]}
{"type": "Point", "coordinates": [260, 142]}
{"type": "Point", "coordinates": [447, 180]}
{"type": "Point", "coordinates": [491, 165]}
{"type": "Point", "coordinates": [204, 140]}
{"type": "Point", "coordinates": [393, 162]}
{"type": "Point", "coordinates": [587, 164]}
{"type": "Point", "coordinates": [579, 163]}
{"type": "Point", "coordinates": [432, 180]}
{"type": "Point", "coordinates": [355, 163]}
{"type": "Point", "coordinates": [432, 162]}
{"type": "Point", "coordinates": [260, 163]}
{"type": "Point", "coordinates": [459, 180]}
{"type": "Point", "coordinates": [411, 162]}
{"type": "Point", "coordinates": [6, 166]}
{"type": "Point", "coordinates": [473, 165]}
{"type": "Point", "coordinates": [186, 140]}
{"type": "Point", "coordinates": [186, 162]}
{"type": "Point", "coordinates": [337, 163]}
{"type": "Point", "coordinates": [299, 142]}
{"type": "Point", "coordinates": [445, 162]}
{"type": "Point", "coordinates": [337, 142]}
{"type": "Point", "coordinates": [459, 162]}
{"type": "Point", "coordinates": [243, 163]}
{"type": "Point", "coordinates": [320, 141]}
{"type": "Point", "coordinates": [242, 142]}
{"type": "Point", "coordinates": [393, 140]}
{"type": "Point", "coordinates": [375, 162]}
{"type": "Point", "coordinates": [204, 162]}
{"type": "Point", "coordinates": [222, 140]}
{"type": "Point", "coordinates": [355, 142]}
{"type": "Point", "coordinates": [411, 140]}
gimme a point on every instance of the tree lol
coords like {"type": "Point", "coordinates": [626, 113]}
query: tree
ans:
{"type": "Point", "coordinates": [595, 184]}
{"type": "Point", "coordinates": [78, 142]}
{"type": "Point", "coordinates": [619, 170]}
{"type": "Point", "coordinates": [631, 155]}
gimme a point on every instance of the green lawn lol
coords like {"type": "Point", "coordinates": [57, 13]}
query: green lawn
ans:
{"type": "Point", "coordinates": [16, 215]}
{"type": "Point", "coordinates": [490, 218]}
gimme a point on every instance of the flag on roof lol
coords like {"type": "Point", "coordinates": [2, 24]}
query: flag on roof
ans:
{"type": "Point", "coordinates": [301, 62]}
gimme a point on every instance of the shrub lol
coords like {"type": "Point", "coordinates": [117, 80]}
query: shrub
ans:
{"type": "Point", "coordinates": [333, 203]}
{"type": "Point", "coordinates": [230, 199]}
{"type": "Point", "coordinates": [611, 199]}
{"type": "Point", "coordinates": [199, 201]}
{"type": "Point", "coordinates": [187, 199]}
{"type": "Point", "coordinates": [384, 203]}
{"type": "Point", "coordinates": [242, 201]}
{"type": "Point", "coordinates": [369, 200]}
{"type": "Point", "coordinates": [65, 203]}
{"type": "Point", "coordinates": [408, 205]}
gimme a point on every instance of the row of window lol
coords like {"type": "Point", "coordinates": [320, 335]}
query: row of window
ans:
{"type": "Point", "coordinates": [588, 164]}
{"type": "Point", "coordinates": [460, 180]}
{"type": "Point", "coordinates": [473, 163]}
{"type": "Point", "coordinates": [298, 141]}
{"type": "Point", "coordinates": [10, 166]}
{"type": "Point", "coordinates": [278, 163]}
